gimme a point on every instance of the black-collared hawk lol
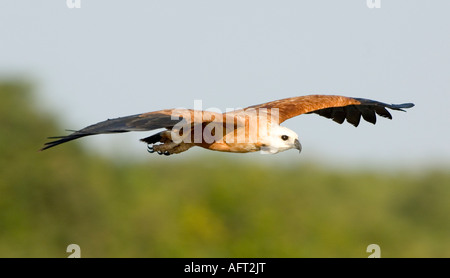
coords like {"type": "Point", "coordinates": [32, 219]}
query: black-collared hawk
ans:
{"type": "Point", "coordinates": [255, 128]}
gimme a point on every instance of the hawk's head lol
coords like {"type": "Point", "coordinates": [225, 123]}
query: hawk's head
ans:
{"type": "Point", "coordinates": [279, 139]}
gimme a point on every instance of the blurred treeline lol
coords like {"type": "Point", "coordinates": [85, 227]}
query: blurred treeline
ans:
{"type": "Point", "coordinates": [202, 208]}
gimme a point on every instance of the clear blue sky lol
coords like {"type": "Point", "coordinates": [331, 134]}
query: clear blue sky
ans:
{"type": "Point", "coordinates": [115, 58]}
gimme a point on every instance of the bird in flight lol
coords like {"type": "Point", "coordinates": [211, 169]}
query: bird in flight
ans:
{"type": "Point", "coordinates": [255, 128]}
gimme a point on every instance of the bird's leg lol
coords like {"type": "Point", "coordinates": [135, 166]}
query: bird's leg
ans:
{"type": "Point", "coordinates": [162, 143]}
{"type": "Point", "coordinates": [169, 148]}
{"type": "Point", "coordinates": [162, 137]}
{"type": "Point", "coordinates": [165, 148]}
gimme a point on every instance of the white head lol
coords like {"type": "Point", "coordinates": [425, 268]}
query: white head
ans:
{"type": "Point", "coordinates": [280, 139]}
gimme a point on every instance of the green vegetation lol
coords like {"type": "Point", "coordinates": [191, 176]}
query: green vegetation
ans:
{"type": "Point", "coordinates": [223, 208]}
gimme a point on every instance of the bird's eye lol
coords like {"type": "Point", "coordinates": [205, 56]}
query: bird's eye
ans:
{"type": "Point", "coordinates": [284, 137]}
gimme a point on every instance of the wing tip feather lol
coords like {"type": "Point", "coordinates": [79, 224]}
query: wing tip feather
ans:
{"type": "Point", "coordinates": [62, 139]}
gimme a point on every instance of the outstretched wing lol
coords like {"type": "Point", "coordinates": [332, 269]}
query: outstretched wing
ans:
{"type": "Point", "coordinates": [141, 122]}
{"type": "Point", "coordinates": [338, 108]}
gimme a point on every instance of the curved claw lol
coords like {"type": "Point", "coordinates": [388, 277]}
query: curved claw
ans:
{"type": "Point", "coordinates": [166, 153]}
{"type": "Point", "coordinates": [150, 149]}
{"type": "Point", "coordinates": [159, 152]}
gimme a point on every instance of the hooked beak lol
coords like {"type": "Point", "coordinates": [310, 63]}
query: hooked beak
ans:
{"type": "Point", "coordinates": [297, 145]}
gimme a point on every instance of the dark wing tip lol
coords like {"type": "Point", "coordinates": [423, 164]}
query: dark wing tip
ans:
{"type": "Point", "coordinates": [63, 139]}
{"type": "Point", "coordinates": [402, 106]}
{"type": "Point", "coordinates": [407, 105]}
{"type": "Point", "coordinates": [364, 101]}
{"type": "Point", "coordinates": [367, 108]}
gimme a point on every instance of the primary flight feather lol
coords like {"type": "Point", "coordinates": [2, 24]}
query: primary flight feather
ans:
{"type": "Point", "coordinates": [255, 128]}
